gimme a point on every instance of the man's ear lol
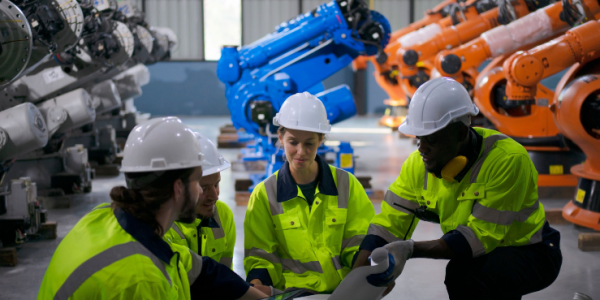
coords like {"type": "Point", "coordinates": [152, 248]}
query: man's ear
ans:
{"type": "Point", "coordinates": [178, 189]}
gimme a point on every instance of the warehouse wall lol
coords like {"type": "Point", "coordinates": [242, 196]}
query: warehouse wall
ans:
{"type": "Point", "coordinates": [192, 88]}
{"type": "Point", "coordinates": [184, 17]}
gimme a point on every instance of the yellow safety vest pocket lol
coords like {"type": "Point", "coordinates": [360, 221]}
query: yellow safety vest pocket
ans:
{"type": "Point", "coordinates": [292, 238]}
{"type": "Point", "coordinates": [335, 221]}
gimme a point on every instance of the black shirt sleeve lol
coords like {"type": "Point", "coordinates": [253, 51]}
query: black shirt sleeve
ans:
{"type": "Point", "coordinates": [458, 243]}
{"type": "Point", "coordinates": [372, 242]}
{"type": "Point", "coordinates": [216, 281]}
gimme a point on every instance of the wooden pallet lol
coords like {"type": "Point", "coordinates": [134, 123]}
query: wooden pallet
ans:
{"type": "Point", "coordinates": [8, 255]}
{"type": "Point", "coordinates": [110, 170]}
{"type": "Point", "coordinates": [589, 241]}
{"type": "Point", "coordinates": [554, 216]}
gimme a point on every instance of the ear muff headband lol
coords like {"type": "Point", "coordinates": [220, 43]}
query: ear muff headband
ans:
{"type": "Point", "coordinates": [454, 167]}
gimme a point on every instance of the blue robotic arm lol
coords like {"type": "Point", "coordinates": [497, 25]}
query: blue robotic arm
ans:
{"type": "Point", "coordinates": [297, 57]}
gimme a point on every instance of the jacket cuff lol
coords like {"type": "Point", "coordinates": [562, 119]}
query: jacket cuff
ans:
{"type": "Point", "coordinates": [260, 274]}
{"type": "Point", "coordinates": [372, 242]}
{"type": "Point", "coordinates": [458, 244]}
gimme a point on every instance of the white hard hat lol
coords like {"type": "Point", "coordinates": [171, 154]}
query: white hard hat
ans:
{"type": "Point", "coordinates": [436, 104]}
{"type": "Point", "coordinates": [303, 111]}
{"type": "Point", "coordinates": [215, 161]}
{"type": "Point", "coordinates": [161, 144]}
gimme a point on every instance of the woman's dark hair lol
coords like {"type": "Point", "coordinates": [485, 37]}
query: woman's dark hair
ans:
{"type": "Point", "coordinates": [281, 130]}
{"type": "Point", "coordinates": [145, 202]}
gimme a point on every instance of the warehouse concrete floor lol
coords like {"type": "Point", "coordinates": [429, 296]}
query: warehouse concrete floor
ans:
{"type": "Point", "coordinates": [381, 154]}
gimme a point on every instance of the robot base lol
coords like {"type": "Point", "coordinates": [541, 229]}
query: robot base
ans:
{"type": "Point", "coordinates": [584, 210]}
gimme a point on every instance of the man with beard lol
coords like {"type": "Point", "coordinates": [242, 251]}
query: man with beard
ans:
{"type": "Point", "coordinates": [117, 252]}
{"type": "Point", "coordinates": [481, 187]}
{"type": "Point", "coordinates": [212, 232]}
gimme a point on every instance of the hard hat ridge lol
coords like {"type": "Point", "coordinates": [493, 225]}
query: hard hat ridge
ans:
{"type": "Point", "coordinates": [162, 144]}
{"type": "Point", "coordinates": [303, 111]}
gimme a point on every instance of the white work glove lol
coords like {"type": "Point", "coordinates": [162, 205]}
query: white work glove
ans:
{"type": "Point", "coordinates": [275, 291]}
{"type": "Point", "coordinates": [401, 251]}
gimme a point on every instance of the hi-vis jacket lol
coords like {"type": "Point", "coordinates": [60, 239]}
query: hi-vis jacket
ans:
{"type": "Point", "coordinates": [217, 235]}
{"type": "Point", "coordinates": [494, 205]}
{"type": "Point", "coordinates": [288, 245]}
{"type": "Point", "coordinates": [111, 255]}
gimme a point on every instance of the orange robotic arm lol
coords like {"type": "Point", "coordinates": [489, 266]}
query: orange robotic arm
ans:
{"type": "Point", "coordinates": [524, 70]}
{"type": "Point", "coordinates": [452, 37]}
{"type": "Point", "coordinates": [523, 33]}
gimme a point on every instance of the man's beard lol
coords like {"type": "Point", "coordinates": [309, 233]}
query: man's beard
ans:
{"type": "Point", "coordinates": [188, 212]}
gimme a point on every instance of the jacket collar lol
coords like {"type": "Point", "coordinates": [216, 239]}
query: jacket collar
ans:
{"type": "Point", "coordinates": [208, 222]}
{"type": "Point", "coordinates": [287, 188]}
{"type": "Point", "coordinates": [145, 235]}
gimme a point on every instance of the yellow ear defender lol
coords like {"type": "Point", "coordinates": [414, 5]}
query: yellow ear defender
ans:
{"type": "Point", "coordinates": [454, 167]}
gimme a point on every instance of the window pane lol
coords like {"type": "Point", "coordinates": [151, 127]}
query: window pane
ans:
{"type": "Point", "coordinates": [184, 17]}
{"type": "Point", "coordinates": [222, 26]}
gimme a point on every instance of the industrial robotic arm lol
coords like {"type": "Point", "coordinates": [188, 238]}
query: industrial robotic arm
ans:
{"type": "Point", "coordinates": [525, 69]}
{"type": "Point", "coordinates": [522, 34]}
{"type": "Point", "coordinates": [33, 29]}
{"type": "Point", "coordinates": [409, 56]}
{"type": "Point", "coordinates": [260, 76]}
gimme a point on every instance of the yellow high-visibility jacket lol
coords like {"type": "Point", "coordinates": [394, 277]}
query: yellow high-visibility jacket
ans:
{"type": "Point", "coordinates": [109, 255]}
{"type": "Point", "coordinates": [494, 205]}
{"type": "Point", "coordinates": [218, 235]}
{"type": "Point", "coordinates": [289, 245]}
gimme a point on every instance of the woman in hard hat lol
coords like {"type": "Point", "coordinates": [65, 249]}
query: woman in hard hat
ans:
{"type": "Point", "coordinates": [305, 222]}
{"type": "Point", "coordinates": [117, 251]}
{"type": "Point", "coordinates": [212, 233]}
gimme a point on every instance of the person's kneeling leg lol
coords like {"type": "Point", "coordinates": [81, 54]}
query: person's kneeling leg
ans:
{"type": "Point", "coordinates": [505, 273]}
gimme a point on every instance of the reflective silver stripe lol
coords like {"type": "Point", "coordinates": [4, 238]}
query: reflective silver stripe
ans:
{"type": "Point", "coordinates": [425, 182]}
{"type": "Point", "coordinates": [353, 241]}
{"type": "Point", "coordinates": [176, 228]}
{"type": "Point", "coordinates": [488, 145]}
{"type": "Point", "coordinates": [476, 245]}
{"type": "Point", "coordinates": [218, 233]}
{"type": "Point", "coordinates": [337, 262]}
{"type": "Point", "coordinates": [382, 233]}
{"type": "Point", "coordinates": [503, 217]}
{"type": "Point", "coordinates": [271, 257]}
{"type": "Point", "coordinates": [107, 205]}
{"type": "Point", "coordinates": [298, 267]}
{"type": "Point", "coordinates": [343, 188]}
{"type": "Point", "coordinates": [196, 267]}
{"type": "Point", "coordinates": [226, 261]}
{"type": "Point", "coordinates": [271, 187]}
{"type": "Point", "coordinates": [537, 236]}
{"type": "Point", "coordinates": [286, 263]}
{"type": "Point", "coordinates": [390, 198]}
{"type": "Point", "coordinates": [102, 260]}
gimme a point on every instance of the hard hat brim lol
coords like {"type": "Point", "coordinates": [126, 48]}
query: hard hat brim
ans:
{"type": "Point", "coordinates": [138, 169]}
{"type": "Point", "coordinates": [410, 130]}
{"type": "Point", "coordinates": [215, 169]}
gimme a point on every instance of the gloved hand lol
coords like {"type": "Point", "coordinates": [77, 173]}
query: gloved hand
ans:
{"type": "Point", "coordinates": [275, 291]}
{"type": "Point", "coordinates": [399, 253]}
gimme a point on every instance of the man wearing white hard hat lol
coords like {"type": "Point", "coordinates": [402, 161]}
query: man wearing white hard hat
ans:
{"type": "Point", "coordinates": [212, 234]}
{"type": "Point", "coordinates": [481, 187]}
{"type": "Point", "coordinates": [305, 222]}
{"type": "Point", "coordinates": [117, 252]}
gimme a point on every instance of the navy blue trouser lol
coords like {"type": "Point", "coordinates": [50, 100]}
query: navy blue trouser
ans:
{"type": "Point", "coordinates": [507, 272]}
